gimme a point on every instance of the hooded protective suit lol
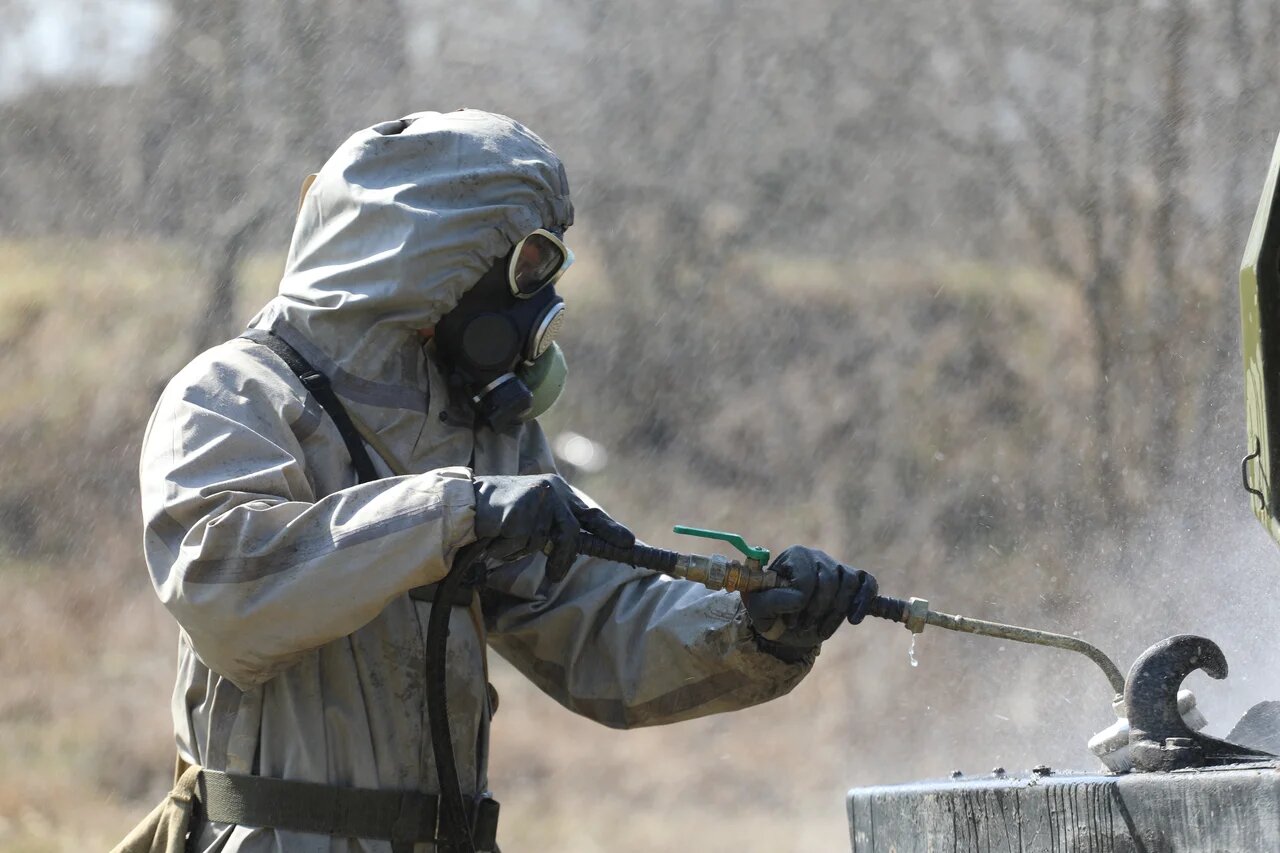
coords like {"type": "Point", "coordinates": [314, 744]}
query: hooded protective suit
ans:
{"type": "Point", "coordinates": [300, 652]}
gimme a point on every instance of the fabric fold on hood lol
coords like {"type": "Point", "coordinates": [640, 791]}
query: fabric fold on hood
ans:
{"type": "Point", "coordinates": [403, 219]}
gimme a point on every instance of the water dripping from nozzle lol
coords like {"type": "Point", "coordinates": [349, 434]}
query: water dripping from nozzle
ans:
{"type": "Point", "coordinates": [911, 652]}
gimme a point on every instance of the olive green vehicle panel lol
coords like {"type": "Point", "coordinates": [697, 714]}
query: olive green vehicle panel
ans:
{"type": "Point", "coordinates": [1260, 321]}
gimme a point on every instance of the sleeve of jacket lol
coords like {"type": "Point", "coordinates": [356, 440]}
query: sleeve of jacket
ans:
{"type": "Point", "coordinates": [256, 567]}
{"type": "Point", "coordinates": [627, 648]}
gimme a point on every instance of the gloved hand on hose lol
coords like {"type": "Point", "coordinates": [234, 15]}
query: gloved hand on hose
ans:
{"type": "Point", "coordinates": [520, 514]}
{"type": "Point", "coordinates": [792, 621]}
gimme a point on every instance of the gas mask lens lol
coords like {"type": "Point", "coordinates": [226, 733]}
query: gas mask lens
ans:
{"type": "Point", "coordinates": [537, 261]}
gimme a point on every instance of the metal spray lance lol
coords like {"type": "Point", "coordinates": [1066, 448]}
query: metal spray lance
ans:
{"type": "Point", "coordinates": [751, 574]}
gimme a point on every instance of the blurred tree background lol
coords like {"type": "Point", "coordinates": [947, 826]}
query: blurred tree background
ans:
{"type": "Point", "coordinates": [944, 288]}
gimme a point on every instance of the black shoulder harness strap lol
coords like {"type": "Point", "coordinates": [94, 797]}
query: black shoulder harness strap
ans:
{"type": "Point", "coordinates": [318, 384]}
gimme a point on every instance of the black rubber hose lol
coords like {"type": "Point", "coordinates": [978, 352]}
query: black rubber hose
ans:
{"type": "Point", "coordinates": [641, 555]}
{"type": "Point", "coordinates": [456, 826]}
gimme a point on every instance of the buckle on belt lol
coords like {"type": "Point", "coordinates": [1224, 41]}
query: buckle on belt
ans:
{"type": "Point", "coordinates": [484, 823]}
{"type": "Point", "coordinates": [482, 814]}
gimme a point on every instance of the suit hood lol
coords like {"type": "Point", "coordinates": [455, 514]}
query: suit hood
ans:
{"type": "Point", "coordinates": [403, 219]}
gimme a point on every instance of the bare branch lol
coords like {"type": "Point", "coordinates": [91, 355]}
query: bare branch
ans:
{"type": "Point", "coordinates": [223, 250]}
{"type": "Point", "coordinates": [1047, 139]}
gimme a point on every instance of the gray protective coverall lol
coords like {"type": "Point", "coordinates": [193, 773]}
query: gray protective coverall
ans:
{"type": "Point", "coordinates": [300, 652]}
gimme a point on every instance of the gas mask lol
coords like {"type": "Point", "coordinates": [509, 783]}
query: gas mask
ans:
{"type": "Point", "coordinates": [498, 342]}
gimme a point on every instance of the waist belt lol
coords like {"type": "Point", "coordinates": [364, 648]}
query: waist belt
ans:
{"type": "Point", "coordinates": [401, 817]}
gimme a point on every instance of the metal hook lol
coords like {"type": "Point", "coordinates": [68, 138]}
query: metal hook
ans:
{"type": "Point", "coordinates": [1159, 738]}
{"type": "Point", "coordinates": [1244, 472]}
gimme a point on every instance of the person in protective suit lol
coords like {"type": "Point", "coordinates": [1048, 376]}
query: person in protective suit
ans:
{"type": "Point", "coordinates": [300, 554]}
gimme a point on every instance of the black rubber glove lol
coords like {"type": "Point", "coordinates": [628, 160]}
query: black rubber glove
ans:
{"type": "Point", "coordinates": [821, 593]}
{"type": "Point", "coordinates": [521, 514]}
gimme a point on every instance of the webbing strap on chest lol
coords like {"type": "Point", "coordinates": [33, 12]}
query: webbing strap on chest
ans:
{"type": "Point", "coordinates": [466, 828]}
{"type": "Point", "coordinates": [318, 384]}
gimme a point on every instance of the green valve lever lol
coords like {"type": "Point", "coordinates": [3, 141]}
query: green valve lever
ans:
{"type": "Point", "coordinates": [752, 553]}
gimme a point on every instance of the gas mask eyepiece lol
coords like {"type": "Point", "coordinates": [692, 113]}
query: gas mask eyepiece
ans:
{"type": "Point", "coordinates": [499, 341]}
{"type": "Point", "coordinates": [536, 262]}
